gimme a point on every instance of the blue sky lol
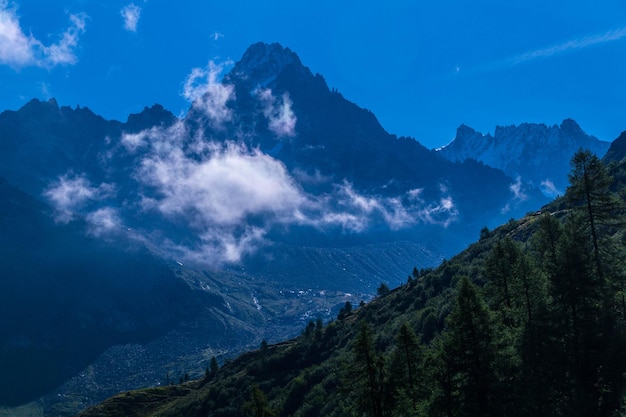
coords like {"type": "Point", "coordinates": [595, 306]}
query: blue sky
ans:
{"type": "Point", "coordinates": [422, 67]}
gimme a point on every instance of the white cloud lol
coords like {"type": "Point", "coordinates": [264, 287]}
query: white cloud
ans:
{"type": "Point", "coordinates": [20, 50]}
{"type": "Point", "coordinates": [519, 196]}
{"type": "Point", "coordinates": [442, 213]}
{"type": "Point", "coordinates": [228, 194]}
{"type": "Point", "coordinates": [546, 52]}
{"type": "Point", "coordinates": [16, 48]}
{"type": "Point", "coordinates": [131, 14]}
{"type": "Point", "coordinates": [63, 51]}
{"type": "Point", "coordinates": [517, 190]}
{"type": "Point", "coordinates": [134, 141]}
{"type": "Point", "coordinates": [231, 196]}
{"type": "Point", "coordinates": [217, 36]}
{"type": "Point", "coordinates": [280, 116]}
{"type": "Point", "coordinates": [103, 220]}
{"type": "Point", "coordinates": [572, 45]}
{"type": "Point", "coordinates": [203, 89]}
{"type": "Point", "coordinates": [71, 193]}
{"type": "Point", "coordinates": [224, 187]}
{"type": "Point", "coordinates": [45, 90]}
{"type": "Point", "coordinates": [415, 194]}
{"type": "Point", "coordinates": [549, 189]}
{"type": "Point", "coordinates": [360, 211]}
{"type": "Point", "coordinates": [229, 247]}
{"type": "Point", "coordinates": [217, 247]}
{"type": "Point", "coordinates": [315, 178]}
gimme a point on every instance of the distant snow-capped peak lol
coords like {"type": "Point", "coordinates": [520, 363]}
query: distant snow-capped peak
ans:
{"type": "Point", "coordinates": [537, 153]}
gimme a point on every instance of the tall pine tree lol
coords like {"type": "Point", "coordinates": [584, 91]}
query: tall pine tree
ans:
{"type": "Point", "coordinates": [406, 373]}
{"type": "Point", "coordinates": [469, 342]}
{"type": "Point", "coordinates": [589, 194]}
{"type": "Point", "coordinates": [367, 373]}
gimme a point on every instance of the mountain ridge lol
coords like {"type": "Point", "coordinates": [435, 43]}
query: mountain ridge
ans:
{"type": "Point", "coordinates": [536, 153]}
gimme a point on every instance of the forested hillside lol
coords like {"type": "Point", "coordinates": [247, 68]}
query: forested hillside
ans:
{"type": "Point", "coordinates": [529, 320]}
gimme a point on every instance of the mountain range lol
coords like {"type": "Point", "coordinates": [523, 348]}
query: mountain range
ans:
{"type": "Point", "coordinates": [534, 154]}
{"type": "Point", "coordinates": [272, 201]}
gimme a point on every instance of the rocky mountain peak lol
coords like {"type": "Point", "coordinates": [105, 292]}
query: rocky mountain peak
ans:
{"type": "Point", "coordinates": [262, 63]}
{"type": "Point", "coordinates": [570, 128]}
{"type": "Point", "coordinates": [156, 115]}
{"type": "Point", "coordinates": [466, 143]}
{"type": "Point", "coordinates": [464, 131]}
{"type": "Point", "coordinates": [465, 134]}
{"type": "Point", "coordinates": [36, 106]}
{"type": "Point", "coordinates": [536, 153]}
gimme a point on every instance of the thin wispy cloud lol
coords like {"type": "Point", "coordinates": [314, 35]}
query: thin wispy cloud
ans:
{"type": "Point", "coordinates": [358, 211]}
{"type": "Point", "coordinates": [63, 52]}
{"type": "Point", "coordinates": [45, 90]}
{"type": "Point", "coordinates": [231, 196]}
{"type": "Point", "coordinates": [549, 189]}
{"type": "Point", "coordinates": [73, 193]}
{"type": "Point", "coordinates": [517, 190]}
{"type": "Point", "coordinates": [545, 52]}
{"type": "Point", "coordinates": [279, 113]}
{"type": "Point", "coordinates": [15, 46]}
{"type": "Point", "coordinates": [18, 50]}
{"type": "Point", "coordinates": [206, 93]}
{"type": "Point", "coordinates": [572, 45]}
{"type": "Point", "coordinates": [519, 195]}
{"type": "Point", "coordinates": [103, 220]}
{"type": "Point", "coordinates": [131, 14]}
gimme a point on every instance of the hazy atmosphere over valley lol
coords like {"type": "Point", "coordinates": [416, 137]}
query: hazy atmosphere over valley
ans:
{"type": "Point", "coordinates": [182, 183]}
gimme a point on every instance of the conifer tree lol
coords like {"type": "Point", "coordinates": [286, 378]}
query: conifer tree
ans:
{"type": "Point", "coordinates": [469, 343]}
{"type": "Point", "coordinates": [545, 241]}
{"type": "Point", "coordinates": [258, 404]}
{"type": "Point", "coordinates": [529, 288]}
{"type": "Point", "coordinates": [590, 195]}
{"type": "Point", "coordinates": [576, 309]}
{"type": "Point", "coordinates": [367, 373]}
{"type": "Point", "coordinates": [214, 367]}
{"type": "Point", "coordinates": [407, 369]}
{"type": "Point", "coordinates": [439, 366]}
{"type": "Point", "coordinates": [499, 269]}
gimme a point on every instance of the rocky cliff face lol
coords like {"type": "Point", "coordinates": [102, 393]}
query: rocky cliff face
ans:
{"type": "Point", "coordinates": [617, 151]}
{"type": "Point", "coordinates": [536, 153]}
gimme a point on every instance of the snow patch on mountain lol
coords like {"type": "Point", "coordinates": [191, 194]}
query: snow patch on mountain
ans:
{"type": "Point", "coordinates": [536, 153]}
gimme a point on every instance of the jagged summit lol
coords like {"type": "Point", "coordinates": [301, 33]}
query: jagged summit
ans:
{"type": "Point", "coordinates": [156, 115]}
{"type": "Point", "coordinates": [466, 134]}
{"type": "Point", "coordinates": [570, 127]}
{"type": "Point", "coordinates": [537, 153]}
{"type": "Point", "coordinates": [272, 57]}
{"type": "Point", "coordinates": [262, 63]}
{"type": "Point", "coordinates": [36, 105]}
